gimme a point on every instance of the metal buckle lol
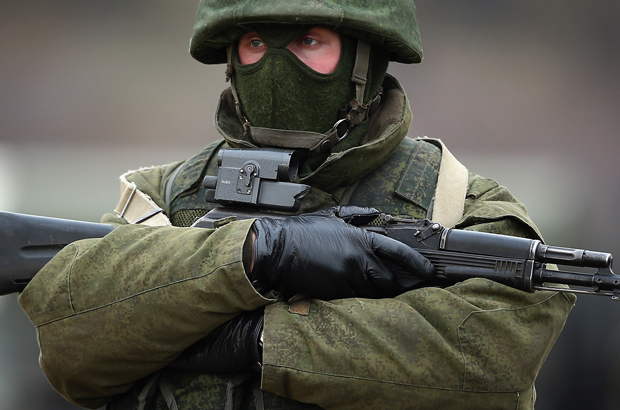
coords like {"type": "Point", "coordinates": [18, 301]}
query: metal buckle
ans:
{"type": "Point", "coordinates": [335, 128]}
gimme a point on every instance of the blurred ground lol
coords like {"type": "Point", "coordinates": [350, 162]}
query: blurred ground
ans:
{"type": "Point", "coordinates": [526, 92]}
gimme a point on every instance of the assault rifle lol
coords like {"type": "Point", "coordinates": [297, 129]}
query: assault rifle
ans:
{"type": "Point", "coordinates": [261, 179]}
{"type": "Point", "coordinates": [28, 242]}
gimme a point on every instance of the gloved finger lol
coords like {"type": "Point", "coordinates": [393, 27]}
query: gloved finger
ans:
{"type": "Point", "coordinates": [384, 280]}
{"type": "Point", "coordinates": [323, 212]}
{"type": "Point", "coordinates": [406, 280]}
{"type": "Point", "coordinates": [351, 214]}
{"type": "Point", "coordinates": [402, 255]}
{"type": "Point", "coordinates": [356, 215]}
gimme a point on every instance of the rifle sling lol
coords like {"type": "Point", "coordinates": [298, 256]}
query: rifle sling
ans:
{"type": "Point", "coordinates": [136, 207]}
{"type": "Point", "coordinates": [452, 184]}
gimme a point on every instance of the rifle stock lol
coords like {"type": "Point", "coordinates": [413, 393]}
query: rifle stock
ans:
{"type": "Point", "coordinates": [28, 242]}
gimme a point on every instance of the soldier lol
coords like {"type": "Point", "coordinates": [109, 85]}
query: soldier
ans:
{"type": "Point", "coordinates": [113, 314]}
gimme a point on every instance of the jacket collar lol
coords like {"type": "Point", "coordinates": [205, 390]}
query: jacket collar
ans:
{"type": "Point", "coordinates": [387, 127]}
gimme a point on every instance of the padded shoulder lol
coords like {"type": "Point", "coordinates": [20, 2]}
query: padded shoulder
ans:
{"type": "Point", "coordinates": [404, 185]}
{"type": "Point", "coordinates": [490, 207]}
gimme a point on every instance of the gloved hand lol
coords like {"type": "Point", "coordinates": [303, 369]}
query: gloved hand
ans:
{"type": "Point", "coordinates": [232, 347]}
{"type": "Point", "coordinates": [321, 256]}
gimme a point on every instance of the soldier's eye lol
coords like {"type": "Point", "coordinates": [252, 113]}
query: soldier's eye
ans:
{"type": "Point", "coordinates": [307, 41]}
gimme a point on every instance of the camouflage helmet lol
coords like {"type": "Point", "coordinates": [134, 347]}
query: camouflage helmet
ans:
{"type": "Point", "coordinates": [391, 24]}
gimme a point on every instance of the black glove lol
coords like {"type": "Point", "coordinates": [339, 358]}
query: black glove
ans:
{"type": "Point", "coordinates": [232, 347]}
{"type": "Point", "coordinates": [321, 256]}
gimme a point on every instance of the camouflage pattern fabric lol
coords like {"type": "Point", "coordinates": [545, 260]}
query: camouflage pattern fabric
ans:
{"type": "Point", "coordinates": [111, 313]}
{"type": "Point", "coordinates": [403, 186]}
{"type": "Point", "coordinates": [390, 24]}
{"type": "Point", "coordinates": [474, 345]}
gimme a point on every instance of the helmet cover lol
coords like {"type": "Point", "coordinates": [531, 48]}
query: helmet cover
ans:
{"type": "Point", "coordinates": [387, 23]}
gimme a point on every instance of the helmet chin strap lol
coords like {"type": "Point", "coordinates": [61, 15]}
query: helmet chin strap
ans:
{"type": "Point", "coordinates": [360, 78]}
{"type": "Point", "coordinates": [316, 143]}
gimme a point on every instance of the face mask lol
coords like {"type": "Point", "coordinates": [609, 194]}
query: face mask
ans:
{"type": "Point", "coordinates": [281, 92]}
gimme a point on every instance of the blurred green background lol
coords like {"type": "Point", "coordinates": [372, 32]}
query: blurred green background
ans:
{"type": "Point", "coordinates": [526, 92]}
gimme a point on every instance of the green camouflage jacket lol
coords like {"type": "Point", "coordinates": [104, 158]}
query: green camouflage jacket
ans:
{"type": "Point", "coordinates": [112, 313]}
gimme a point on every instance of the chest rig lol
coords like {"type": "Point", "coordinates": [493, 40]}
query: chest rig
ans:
{"type": "Point", "coordinates": [403, 186]}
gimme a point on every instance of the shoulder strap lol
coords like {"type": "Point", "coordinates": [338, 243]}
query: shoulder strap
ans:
{"type": "Point", "coordinates": [451, 190]}
{"type": "Point", "coordinates": [136, 207]}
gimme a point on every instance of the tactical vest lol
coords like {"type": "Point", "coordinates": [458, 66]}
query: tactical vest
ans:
{"type": "Point", "coordinates": [403, 186]}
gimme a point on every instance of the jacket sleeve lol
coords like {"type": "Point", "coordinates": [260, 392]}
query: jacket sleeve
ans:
{"type": "Point", "coordinates": [111, 311]}
{"type": "Point", "coordinates": [477, 344]}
